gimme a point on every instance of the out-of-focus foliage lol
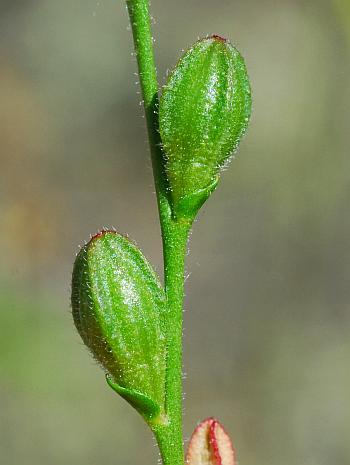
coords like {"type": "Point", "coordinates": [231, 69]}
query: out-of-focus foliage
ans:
{"type": "Point", "coordinates": [273, 241]}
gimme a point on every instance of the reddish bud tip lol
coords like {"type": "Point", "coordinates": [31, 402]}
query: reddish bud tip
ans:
{"type": "Point", "coordinates": [210, 445]}
{"type": "Point", "coordinates": [217, 37]}
{"type": "Point", "coordinates": [102, 233]}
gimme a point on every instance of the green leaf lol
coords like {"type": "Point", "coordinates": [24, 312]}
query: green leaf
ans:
{"type": "Point", "coordinates": [118, 308]}
{"type": "Point", "coordinates": [203, 114]}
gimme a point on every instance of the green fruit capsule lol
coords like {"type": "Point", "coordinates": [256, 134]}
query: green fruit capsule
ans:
{"type": "Point", "coordinates": [118, 306]}
{"type": "Point", "coordinates": [203, 114]}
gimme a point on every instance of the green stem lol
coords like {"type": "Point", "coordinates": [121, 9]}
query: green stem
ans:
{"type": "Point", "coordinates": [174, 236]}
{"type": "Point", "coordinates": [170, 439]}
{"type": "Point", "coordinates": [143, 44]}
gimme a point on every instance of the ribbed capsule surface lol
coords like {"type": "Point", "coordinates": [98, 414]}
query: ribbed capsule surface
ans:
{"type": "Point", "coordinates": [203, 114]}
{"type": "Point", "coordinates": [118, 304]}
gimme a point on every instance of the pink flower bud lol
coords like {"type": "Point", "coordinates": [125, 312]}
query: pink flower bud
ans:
{"type": "Point", "coordinates": [210, 445]}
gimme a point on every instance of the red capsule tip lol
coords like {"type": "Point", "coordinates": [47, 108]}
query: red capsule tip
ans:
{"type": "Point", "coordinates": [217, 37]}
{"type": "Point", "coordinates": [102, 233]}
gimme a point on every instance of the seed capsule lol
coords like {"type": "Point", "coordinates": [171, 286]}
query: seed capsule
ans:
{"type": "Point", "coordinates": [203, 114]}
{"type": "Point", "coordinates": [118, 304]}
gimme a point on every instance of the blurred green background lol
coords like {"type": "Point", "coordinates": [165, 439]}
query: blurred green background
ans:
{"type": "Point", "coordinates": [267, 319]}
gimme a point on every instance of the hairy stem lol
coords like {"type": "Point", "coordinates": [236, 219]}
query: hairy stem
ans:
{"type": "Point", "coordinates": [174, 243]}
{"type": "Point", "coordinates": [174, 235]}
{"type": "Point", "coordinates": [143, 44]}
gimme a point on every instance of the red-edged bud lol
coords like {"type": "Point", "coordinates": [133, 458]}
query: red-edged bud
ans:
{"type": "Point", "coordinates": [210, 445]}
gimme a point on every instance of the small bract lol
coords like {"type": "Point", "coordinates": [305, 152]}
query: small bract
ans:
{"type": "Point", "coordinates": [204, 111]}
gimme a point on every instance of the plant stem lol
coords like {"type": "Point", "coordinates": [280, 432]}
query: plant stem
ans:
{"type": "Point", "coordinates": [174, 236]}
{"type": "Point", "coordinates": [143, 44]}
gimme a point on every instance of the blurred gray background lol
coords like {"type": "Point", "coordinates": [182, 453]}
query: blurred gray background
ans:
{"type": "Point", "coordinates": [267, 318]}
